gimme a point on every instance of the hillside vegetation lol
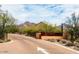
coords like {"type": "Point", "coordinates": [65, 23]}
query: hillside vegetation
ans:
{"type": "Point", "coordinates": [32, 28]}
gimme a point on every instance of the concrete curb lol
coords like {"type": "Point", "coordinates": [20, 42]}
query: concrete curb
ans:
{"type": "Point", "coordinates": [67, 48]}
{"type": "Point", "coordinates": [8, 42]}
{"type": "Point", "coordinates": [64, 47]}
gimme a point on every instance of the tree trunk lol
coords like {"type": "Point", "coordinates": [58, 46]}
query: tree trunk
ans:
{"type": "Point", "coordinates": [4, 33]}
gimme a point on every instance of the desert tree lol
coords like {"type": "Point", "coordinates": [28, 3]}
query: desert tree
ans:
{"type": "Point", "coordinates": [5, 20]}
{"type": "Point", "coordinates": [72, 25]}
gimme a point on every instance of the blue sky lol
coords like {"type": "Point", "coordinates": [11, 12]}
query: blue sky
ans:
{"type": "Point", "coordinates": [51, 13]}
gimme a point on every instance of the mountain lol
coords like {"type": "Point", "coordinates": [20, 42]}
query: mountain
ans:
{"type": "Point", "coordinates": [30, 24]}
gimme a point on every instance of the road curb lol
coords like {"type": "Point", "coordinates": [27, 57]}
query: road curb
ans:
{"type": "Point", "coordinates": [64, 47]}
{"type": "Point", "coordinates": [67, 48]}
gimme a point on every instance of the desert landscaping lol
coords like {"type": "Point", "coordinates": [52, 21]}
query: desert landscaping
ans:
{"type": "Point", "coordinates": [41, 37]}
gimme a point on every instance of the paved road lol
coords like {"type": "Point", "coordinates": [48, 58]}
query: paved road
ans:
{"type": "Point", "coordinates": [28, 45]}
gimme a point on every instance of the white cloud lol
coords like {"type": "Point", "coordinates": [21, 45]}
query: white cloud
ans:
{"type": "Point", "coordinates": [37, 13]}
{"type": "Point", "coordinates": [15, 10]}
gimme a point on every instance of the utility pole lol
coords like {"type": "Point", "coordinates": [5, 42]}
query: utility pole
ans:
{"type": "Point", "coordinates": [62, 28]}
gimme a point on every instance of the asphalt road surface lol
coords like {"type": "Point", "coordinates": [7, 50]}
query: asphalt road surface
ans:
{"type": "Point", "coordinates": [21, 44]}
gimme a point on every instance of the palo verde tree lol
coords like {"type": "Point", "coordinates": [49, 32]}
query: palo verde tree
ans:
{"type": "Point", "coordinates": [73, 27]}
{"type": "Point", "coordinates": [5, 20]}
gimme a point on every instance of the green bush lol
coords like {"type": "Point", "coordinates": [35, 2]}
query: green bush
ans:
{"type": "Point", "coordinates": [12, 29]}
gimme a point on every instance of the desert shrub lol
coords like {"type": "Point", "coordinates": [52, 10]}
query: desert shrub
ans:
{"type": "Point", "coordinates": [69, 44]}
{"type": "Point", "coordinates": [51, 40]}
{"type": "Point", "coordinates": [12, 29]}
